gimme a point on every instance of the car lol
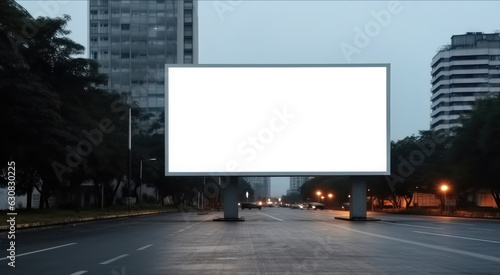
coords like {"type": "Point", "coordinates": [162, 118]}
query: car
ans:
{"type": "Point", "coordinates": [346, 206]}
{"type": "Point", "coordinates": [250, 205]}
{"type": "Point", "coordinates": [297, 206]}
{"type": "Point", "coordinates": [315, 205]}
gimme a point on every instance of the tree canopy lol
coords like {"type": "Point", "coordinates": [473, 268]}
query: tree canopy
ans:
{"type": "Point", "coordinates": [57, 123]}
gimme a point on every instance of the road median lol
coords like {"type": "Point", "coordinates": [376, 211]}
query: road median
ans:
{"type": "Point", "coordinates": [52, 217]}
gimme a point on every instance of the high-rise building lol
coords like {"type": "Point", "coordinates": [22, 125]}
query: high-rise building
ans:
{"type": "Point", "coordinates": [133, 40]}
{"type": "Point", "coordinates": [462, 72]}
{"type": "Point", "coordinates": [261, 186]}
{"type": "Point", "coordinates": [296, 183]}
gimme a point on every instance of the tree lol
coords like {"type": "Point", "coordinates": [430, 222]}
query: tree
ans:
{"type": "Point", "coordinates": [339, 186]}
{"type": "Point", "coordinates": [476, 147]}
{"type": "Point", "coordinates": [61, 126]}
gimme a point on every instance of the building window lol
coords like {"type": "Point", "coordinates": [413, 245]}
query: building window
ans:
{"type": "Point", "coordinates": [188, 30]}
{"type": "Point", "coordinates": [125, 27]}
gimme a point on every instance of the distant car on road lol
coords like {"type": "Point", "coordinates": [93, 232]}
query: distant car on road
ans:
{"type": "Point", "coordinates": [315, 205]}
{"type": "Point", "coordinates": [346, 206]}
{"type": "Point", "coordinates": [250, 205]}
{"type": "Point", "coordinates": [297, 206]}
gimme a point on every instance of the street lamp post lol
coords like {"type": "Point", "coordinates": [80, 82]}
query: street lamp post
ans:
{"type": "Point", "coordinates": [129, 148]}
{"type": "Point", "coordinates": [444, 188]}
{"type": "Point", "coordinates": [140, 178]}
{"type": "Point", "coordinates": [319, 194]}
{"type": "Point", "coordinates": [331, 201]}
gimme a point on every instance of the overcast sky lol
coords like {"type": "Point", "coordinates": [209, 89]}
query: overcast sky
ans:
{"type": "Point", "coordinates": [406, 34]}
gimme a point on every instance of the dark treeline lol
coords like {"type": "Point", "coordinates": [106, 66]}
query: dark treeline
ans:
{"type": "Point", "coordinates": [465, 158]}
{"type": "Point", "coordinates": [60, 128]}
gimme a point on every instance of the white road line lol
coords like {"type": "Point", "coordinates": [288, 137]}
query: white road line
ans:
{"type": "Point", "coordinates": [457, 237]}
{"type": "Point", "coordinates": [114, 259]}
{"type": "Point", "coordinates": [483, 229]}
{"type": "Point", "coordinates": [41, 250]}
{"type": "Point", "coordinates": [271, 217]}
{"type": "Point", "coordinates": [144, 247]}
{"type": "Point", "coordinates": [79, 272]}
{"type": "Point", "coordinates": [442, 248]}
{"type": "Point", "coordinates": [409, 225]}
{"type": "Point", "coordinates": [192, 225]}
{"type": "Point", "coordinates": [227, 258]}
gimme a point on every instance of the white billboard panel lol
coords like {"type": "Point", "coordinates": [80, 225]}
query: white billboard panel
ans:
{"type": "Point", "coordinates": [256, 120]}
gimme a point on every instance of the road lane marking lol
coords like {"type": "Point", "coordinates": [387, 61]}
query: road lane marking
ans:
{"type": "Point", "coordinates": [484, 229]}
{"type": "Point", "coordinates": [191, 225]}
{"type": "Point", "coordinates": [41, 250]}
{"type": "Point", "coordinates": [79, 272]}
{"type": "Point", "coordinates": [144, 247]}
{"type": "Point", "coordinates": [114, 259]}
{"type": "Point", "coordinates": [436, 247]}
{"type": "Point", "coordinates": [457, 237]}
{"type": "Point", "coordinates": [409, 225]}
{"type": "Point", "coordinates": [227, 258]}
{"type": "Point", "coordinates": [271, 217]}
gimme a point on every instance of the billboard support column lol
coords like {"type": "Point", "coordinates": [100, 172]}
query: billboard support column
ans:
{"type": "Point", "coordinates": [358, 199]}
{"type": "Point", "coordinates": [357, 210]}
{"type": "Point", "coordinates": [230, 200]}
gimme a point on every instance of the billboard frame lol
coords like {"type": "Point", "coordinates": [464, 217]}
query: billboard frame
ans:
{"type": "Point", "coordinates": [280, 173]}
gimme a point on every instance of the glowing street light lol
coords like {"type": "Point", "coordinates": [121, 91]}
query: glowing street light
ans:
{"type": "Point", "coordinates": [444, 188]}
{"type": "Point", "coordinates": [319, 194]}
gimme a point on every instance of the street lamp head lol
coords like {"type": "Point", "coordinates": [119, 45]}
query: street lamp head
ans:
{"type": "Point", "coordinates": [444, 187]}
{"type": "Point", "coordinates": [330, 195]}
{"type": "Point", "coordinates": [318, 193]}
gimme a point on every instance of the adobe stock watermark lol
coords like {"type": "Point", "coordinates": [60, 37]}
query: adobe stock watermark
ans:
{"type": "Point", "coordinates": [373, 28]}
{"type": "Point", "coordinates": [30, 29]}
{"type": "Point", "coordinates": [249, 149]}
{"type": "Point", "coordinates": [323, 250]}
{"type": "Point", "coordinates": [407, 166]}
{"type": "Point", "coordinates": [253, 144]}
{"type": "Point", "coordinates": [222, 7]}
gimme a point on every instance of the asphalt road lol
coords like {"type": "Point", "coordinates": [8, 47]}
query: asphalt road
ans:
{"type": "Point", "coordinates": [270, 241]}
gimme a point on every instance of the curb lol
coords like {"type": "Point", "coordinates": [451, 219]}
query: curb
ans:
{"type": "Point", "coordinates": [455, 214]}
{"type": "Point", "coordinates": [80, 220]}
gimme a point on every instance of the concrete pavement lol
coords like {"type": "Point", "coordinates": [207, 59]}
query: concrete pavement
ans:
{"type": "Point", "coordinates": [270, 241]}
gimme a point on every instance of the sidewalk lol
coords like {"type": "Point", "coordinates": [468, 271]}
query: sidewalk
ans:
{"type": "Point", "coordinates": [438, 212]}
{"type": "Point", "coordinates": [52, 221]}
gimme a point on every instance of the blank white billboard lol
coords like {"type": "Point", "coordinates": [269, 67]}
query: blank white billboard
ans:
{"type": "Point", "coordinates": [257, 120]}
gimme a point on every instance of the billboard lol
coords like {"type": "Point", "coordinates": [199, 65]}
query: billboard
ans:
{"type": "Point", "coordinates": [277, 120]}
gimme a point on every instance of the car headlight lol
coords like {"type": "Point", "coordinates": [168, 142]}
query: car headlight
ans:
{"type": "Point", "coordinates": [313, 207]}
